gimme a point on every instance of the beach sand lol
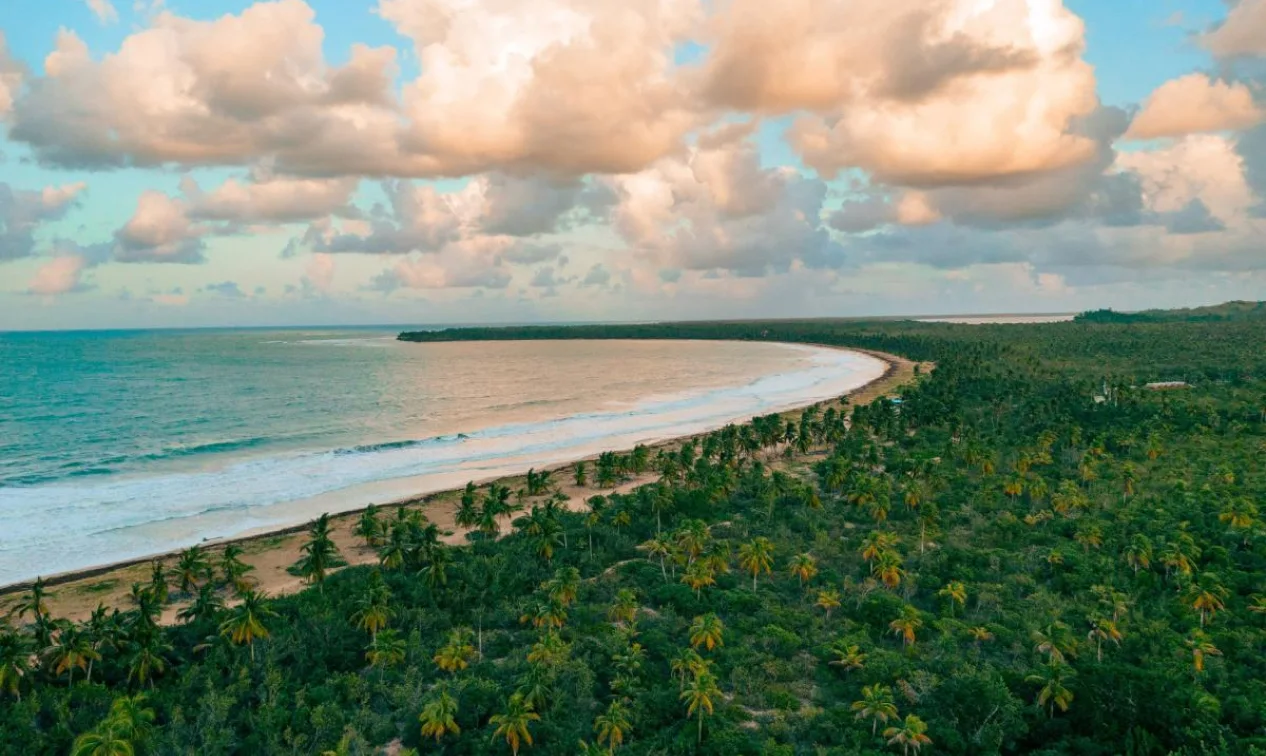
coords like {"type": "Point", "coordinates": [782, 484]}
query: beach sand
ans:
{"type": "Point", "coordinates": [76, 594]}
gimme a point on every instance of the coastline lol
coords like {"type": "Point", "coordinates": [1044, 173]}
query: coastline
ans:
{"type": "Point", "coordinates": [272, 550]}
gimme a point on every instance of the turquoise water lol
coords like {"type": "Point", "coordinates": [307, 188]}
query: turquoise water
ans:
{"type": "Point", "coordinates": [117, 445]}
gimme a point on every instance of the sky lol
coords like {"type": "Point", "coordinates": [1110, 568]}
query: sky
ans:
{"type": "Point", "coordinates": [175, 163]}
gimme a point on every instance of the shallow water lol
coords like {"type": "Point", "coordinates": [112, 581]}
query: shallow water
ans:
{"type": "Point", "coordinates": [120, 445]}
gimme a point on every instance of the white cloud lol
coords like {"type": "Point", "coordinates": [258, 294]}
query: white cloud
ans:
{"type": "Point", "coordinates": [1193, 104]}
{"type": "Point", "coordinates": [104, 11]}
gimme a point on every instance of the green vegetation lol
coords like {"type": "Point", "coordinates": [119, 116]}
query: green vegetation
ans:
{"type": "Point", "coordinates": [1030, 554]}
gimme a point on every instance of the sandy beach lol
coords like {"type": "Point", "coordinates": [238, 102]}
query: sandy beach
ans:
{"type": "Point", "coordinates": [76, 594]}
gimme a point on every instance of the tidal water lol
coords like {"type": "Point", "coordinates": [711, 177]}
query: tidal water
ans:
{"type": "Point", "coordinates": [118, 445]}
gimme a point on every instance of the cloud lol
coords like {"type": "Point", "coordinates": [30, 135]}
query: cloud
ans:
{"type": "Point", "coordinates": [12, 74]}
{"type": "Point", "coordinates": [270, 199]}
{"type": "Point", "coordinates": [1204, 167]}
{"type": "Point", "coordinates": [227, 289]}
{"type": "Point", "coordinates": [420, 219]}
{"type": "Point", "coordinates": [59, 275]}
{"type": "Point", "coordinates": [911, 208]}
{"type": "Point", "coordinates": [565, 87]}
{"type": "Point", "coordinates": [159, 231]}
{"type": "Point", "coordinates": [104, 11]}
{"type": "Point", "coordinates": [718, 208]}
{"type": "Point", "coordinates": [598, 275]}
{"type": "Point", "coordinates": [916, 93]}
{"type": "Point", "coordinates": [1193, 218]}
{"type": "Point", "coordinates": [22, 212]}
{"type": "Point", "coordinates": [319, 273]}
{"type": "Point", "coordinates": [1241, 34]}
{"type": "Point", "coordinates": [531, 205]}
{"type": "Point", "coordinates": [1192, 104]}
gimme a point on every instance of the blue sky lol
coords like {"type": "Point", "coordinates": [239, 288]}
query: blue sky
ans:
{"type": "Point", "coordinates": [435, 161]}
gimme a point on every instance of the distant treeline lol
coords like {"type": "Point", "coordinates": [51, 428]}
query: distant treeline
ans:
{"type": "Point", "coordinates": [1229, 311]}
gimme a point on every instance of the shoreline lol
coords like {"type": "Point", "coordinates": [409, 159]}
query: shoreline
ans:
{"type": "Point", "coordinates": [109, 583]}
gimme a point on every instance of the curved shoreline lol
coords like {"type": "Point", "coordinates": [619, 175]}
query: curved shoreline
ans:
{"type": "Point", "coordinates": [80, 590]}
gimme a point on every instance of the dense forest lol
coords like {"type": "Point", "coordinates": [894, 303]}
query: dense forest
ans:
{"type": "Point", "coordinates": [1030, 552]}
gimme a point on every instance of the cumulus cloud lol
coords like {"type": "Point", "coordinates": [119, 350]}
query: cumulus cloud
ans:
{"type": "Point", "coordinates": [22, 212]}
{"type": "Point", "coordinates": [568, 87]}
{"type": "Point", "coordinates": [104, 11]}
{"type": "Point", "coordinates": [598, 275]}
{"type": "Point", "coordinates": [1194, 103]}
{"type": "Point", "coordinates": [719, 209]}
{"type": "Point", "coordinates": [1203, 167]}
{"type": "Point", "coordinates": [319, 273]}
{"type": "Point", "coordinates": [227, 289]}
{"type": "Point", "coordinates": [1241, 34]}
{"type": "Point", "coordinates": [270, 199]}
{"type": "Point", "coordinates": [12, 73]}
{"type": "Point", "coordinates": [159, 231]}
{"type": "Point", "coordinates": [59, 275]}
{"type": "Point", "coordinates": [916, 93]}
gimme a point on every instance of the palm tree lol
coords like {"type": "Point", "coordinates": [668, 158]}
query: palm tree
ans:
{"type": "Point", "coordinates": [72, 650]}
{"type": "Point", "coordinates": [245, 623]}
{"type": "Point", "coordinates": [132, 718]}
{"type": "Point", "coordinates": [105, 740]}
{"type": "Point", "coordinates": [158, 581]}
{"type": "Point", "coordinates": [580, 474]}
{"type": "Point", "coordinates": [955, 592]}
{"type": "Point", "coordinates": [514, 723]}
{"type": "Point", "coordinates": [1207, 597]}
{"type": "Point", "coordinates": [1055, 641]}
{"type": "Point", "coordinates": [707, 631]}
{"type": "Point", "coordinates": [907, 625]}
{"type": "Point", "coordinates": [368, 527]}
{"type": "Point", "coordinates": [192, 567]}
{"type": "Point", "coordinates": [456, 653]}
{"type": "Point", "coordinates": [698, 576]}
{"type": "Point", "coordinates": [877, 543]}
{"type": "Point", "coordinates": [205, 607]}
{"type": "Point", "coordinates": [1101, 629]}
{"type": "Point", "coordinates": [320, 554]}
{"type": "Point", "coordinates": [687, 663]}
{"type": "Point", "coordinates": [827, 600]}
{"type": "Point", "coordinates": [386, 649]}
{"type": "Point", "coordinates": [624, 610]}
{"type": "Point", "coordinates": [15, 662]}
{"type": "Point", "coordinates": [848, 656]}
{"type": "Point", "coordinates": [149, 659]}
{"type": "Point", "coordinates": [911, 734]}
{"type": "Point", "coordinates": [439, 715]}
{"type": "Point", "coordinates": [756, 557]}
{"type": "Point", "coordinates": [234, 569]}
{"type": "Point", "coordinates": [699, 695]}
{"type": "Point", "coordinates": [35, 603]}
{"type": "Point", "coordinates": [1051, 677]}
{"type": "Point", "coordinates": [876, 704]}
{"type": "Point", "coordinates": [659, 548]}
{"type": "Point", "coordinates": [803, 566]}
{"type": "Point", "coordinates": [1201, 648]}
{"type": "Point", "coordinates": [564, 587]}
{"type": "Point", "coordinates": [613, 725]}
{"type": "Point", "coordinates": [1138, 553]}
{"type": "Point", "coordinates": [373, 609]}
{"type": "Point", "coordinates": [544, 615]}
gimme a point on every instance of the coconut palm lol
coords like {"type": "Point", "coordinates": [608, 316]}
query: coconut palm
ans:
{"type": "Point", "coordinates": [876, 704]}
{"type": "Point", "coordinates": [368, 527]}
{"type": "Point", "coordinates": [877, 543]}
{"type": "Point", "coordinates": [245, 623]}
{"type": "Point", "coordinates": [624, 610]}
{"type": "Point", "coordinates": [848, 656]}
{"type": "Point", "coordinates": [34, 603]}
{"type": "Point", "coordinates": [514, 724]}
{"type": "Point", "coordinates": [907, 625]}
{"type": "Point", "coordinates": [687, 663]}
{"type": "Point", "coordinates": [828, 600]}
{"type": "Point", "coordinates": [439, 715]}
{"type": "Point", "coordinates": [15, 662]}
{"type": "Point", "coordinates": [1053, 692]}
{"type": "Point", "coordinates": [71, 650]}
{"type": "Point", "coordinates": [707, 631]}
{"type": "Point", "coordinates": [192, 568]}
{"type": "Point", "coordinates": [457, 651]}
{"type": "Point", "coordinates": [1101, 629]}
{"type": "Point", "coordinates": [1201, 648]}
{"type": "Point", "coordinates": [148, 659]}
{"type": "Point", "coordinates": [373, 608]}
{"type": "Point", "coordinates": [320, 554]}
{"type": "Point", "coordinates": [955, 592]}
{"type": "Point", "coordinates": [1207, 597]}
{"type": "Point", "coordinates": [699, 576]}
{"type": "Point", "coordinates": [104, 740]}
{"type": "Point", "coordinates": [757, 556]}
{"type": "Point", "coordinates": [386, 649]}
{"type": "Point", "coordinates": [205, 607]}
{"type": "Point", "coordinates": [613, 725]}
{"type": "Point", "coordinates": [564, 586]}
{"type": "Point", "coordinates": [803, 566]}
{"type": "Point", "coordinates": [911, 734]}
{"type": "Point", "coordinates": [158, 581]}
{"type": "Point", "coordinates": [700, 694]}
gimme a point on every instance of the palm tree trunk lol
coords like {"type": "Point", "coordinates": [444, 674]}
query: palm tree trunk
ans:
{"type": "Point", "coordinates": [700, 724]}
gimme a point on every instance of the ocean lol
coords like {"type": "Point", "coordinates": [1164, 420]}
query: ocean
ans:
{"type": "Point", "coordinates": [120, 445]}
